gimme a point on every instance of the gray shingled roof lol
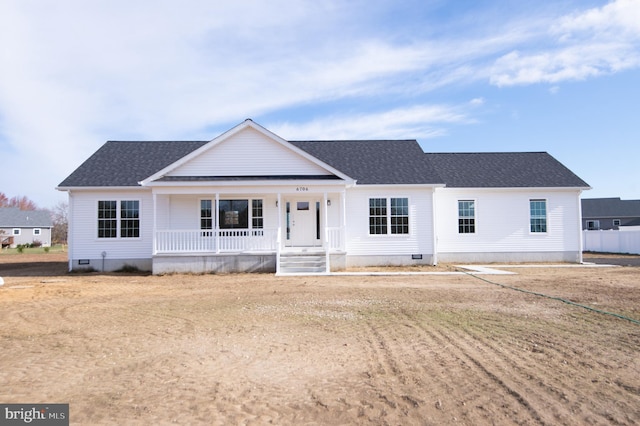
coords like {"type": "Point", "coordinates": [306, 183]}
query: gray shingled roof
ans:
{"type": "Point", "coordinates": [503, 170]}
{"type": "Point", "coordinates": [375, 161]}
{"type": "Point", "coordinates": [13, 217]}
{"type": "Point", "coordinates": [610, 207]}
{"type": "Point", "coordinates": [121, 164]}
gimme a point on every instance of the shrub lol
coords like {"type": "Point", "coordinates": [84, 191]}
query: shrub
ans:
{"type": "Point", "coordinates": [128, 269]}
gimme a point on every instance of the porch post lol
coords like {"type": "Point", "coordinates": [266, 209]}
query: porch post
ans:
{"type": "Point", "coordinates": [343, 227]}
{"type": "Point", "coordinates": [155, 223]}
{"type": "Point", "coordinates": [279, 236]}
{"type": "Point", "coordinates": [216, 219]}
{"type": "Point", "coordinates": [325, 209]}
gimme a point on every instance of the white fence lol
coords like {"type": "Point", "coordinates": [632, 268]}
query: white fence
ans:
{"type": "Point", "coordinates": [611, 241]}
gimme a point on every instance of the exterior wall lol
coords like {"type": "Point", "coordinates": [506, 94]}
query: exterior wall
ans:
{"type": "Point", "coordinates": [27, 236]}
{"type": "Point", "coordinates": [607, 222]}
{"type": "Point", "coordinates": [86, 249]}
{"type": "Point", "coordinates": [182, 211]}
{"type": "Point", "coordinates": [364, 249]}
{"type": "Point", "coordinates": [248, 153]}
{"type": "Point", "coordinates": [502, 231]}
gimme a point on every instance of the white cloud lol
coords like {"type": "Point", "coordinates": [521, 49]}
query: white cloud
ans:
{"type": "Point", "coordinates": [588, 44]}
{"type": "Point", "coordinates": [76, 73]}
{"type": "Point", "coordinates": [417, 122]}
{"type": "Point", "coordinates": [618, 19]}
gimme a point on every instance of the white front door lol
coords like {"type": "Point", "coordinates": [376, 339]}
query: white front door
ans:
{"type": "Point", "coordinates": [302, 220]}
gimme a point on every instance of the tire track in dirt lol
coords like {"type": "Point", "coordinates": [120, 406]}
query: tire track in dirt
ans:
{"type": "Point", "coordinates": [531, 373]}
{"type": "Point", "coordinates": [414, 377]}
{"type": "Point", "coordinates": [478, 382]}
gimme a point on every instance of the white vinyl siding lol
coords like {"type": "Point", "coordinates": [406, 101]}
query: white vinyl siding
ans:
{"type": "Point", "coordinates": [83, 237]}
{"type": "Point", "coordinates": [505, 218]}
{"type": "Point", "coordinates": [419, 240]}
{"type": "Point", "coordinates": [182, 212]}
{"type": "Point", "coordinates": [248, 153]}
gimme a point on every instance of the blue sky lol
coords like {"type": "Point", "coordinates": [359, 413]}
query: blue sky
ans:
{"type": "Point", "coordinates": [458, 76]}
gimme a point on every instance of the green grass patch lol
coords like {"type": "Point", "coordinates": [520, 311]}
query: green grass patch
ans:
{"type": "Point", "coordinates": [34, 250]}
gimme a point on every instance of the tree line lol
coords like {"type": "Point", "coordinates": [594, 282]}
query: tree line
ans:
{"type": "Point", "coordinates": [59, 215]}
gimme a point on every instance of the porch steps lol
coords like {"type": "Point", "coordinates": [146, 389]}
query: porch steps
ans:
{"type": "Point", "coordinates": [302, 263]}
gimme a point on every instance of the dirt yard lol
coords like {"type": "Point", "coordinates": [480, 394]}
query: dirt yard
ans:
{"type": "Point", "coordinates": [259, 349]}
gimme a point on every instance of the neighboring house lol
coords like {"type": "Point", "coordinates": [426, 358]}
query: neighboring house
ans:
{"type": "Point", "coordinates": [251, 201]}
{"type": "Point", "coordinates": [609, 213]}
{"type": "Point", "coordinates": [24, 227]}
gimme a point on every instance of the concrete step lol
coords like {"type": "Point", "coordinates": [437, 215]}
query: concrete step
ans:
{"type": "Point", "coordinates": [302, 263]}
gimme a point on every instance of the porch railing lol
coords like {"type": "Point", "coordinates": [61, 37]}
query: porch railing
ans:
{"type": "Point", "coordinates": [215, 241]}
{"type": "Point", "coordinates": [231, 240]}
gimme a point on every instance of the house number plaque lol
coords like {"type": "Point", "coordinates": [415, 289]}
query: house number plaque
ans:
{"type": "Point", "coordinates": [302, 189]}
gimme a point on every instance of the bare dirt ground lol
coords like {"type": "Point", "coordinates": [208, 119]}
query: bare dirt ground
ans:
{"type": "Point", "coordinates": [260, 349]}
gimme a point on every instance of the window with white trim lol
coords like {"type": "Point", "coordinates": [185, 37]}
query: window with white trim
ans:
{"type": "Point", "coordinates": [232, 214]}
{"type": "Point", "coordinates": [593, 225]}
{"type": "Point", "coordinates": [206, 216]}
{"type": "Point", "coordinates": [377, 216]}
{"type": "Point", "coordinates": [384, 220]}
{"type": "Point", "coordinates": [118, 218]}
{"type": "Point", "coordinates": [37, 231]}
{"type": "Point", "coordinates": [616, 222]}
{"type": "Point", "coordinates": [16, 231]}
{"type": "Point", "coordinates": [538, 216]}
{"type": "Point", "coordinates": [466, 217]}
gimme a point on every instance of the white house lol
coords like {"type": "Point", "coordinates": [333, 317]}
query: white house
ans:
{"type": "Point", "coordinates": [251, 201]}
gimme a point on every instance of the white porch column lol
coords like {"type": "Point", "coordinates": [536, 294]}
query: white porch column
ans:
{"type": "Point", "coordinates": [215, 218]}
{"type": "Point", "coordinates": [343, 225]}
{"type": "Point", "coordinates": [155, 223]}
{"type": "Point", "coordinates": [325, 209]}
{"type": "Point", "coordinates": [279, 236]}
{"type": "Point", "coordinates": [279, 207]}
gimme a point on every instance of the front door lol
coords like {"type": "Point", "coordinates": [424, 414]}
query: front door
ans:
{"type": "Point", "coordinates": [302, 220]}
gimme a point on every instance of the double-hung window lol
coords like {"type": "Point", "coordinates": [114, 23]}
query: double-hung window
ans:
{"type": "Point", "coordinates": [466, 217]}
{"type": "Point", "coordinates": [377, 216]}
{"type": "Point", "coordinates": [388, 216]}
{"type": "Point", "coordinates": [118, 218]}
{"type": "Point", "coordinates": [206, 217]}
{"type": "Point", "coordinates": [538, 216]}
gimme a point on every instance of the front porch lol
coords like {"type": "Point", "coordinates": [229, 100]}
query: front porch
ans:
{"type": "Point", "coordinates": [249, 232]}
{"type": "Point", "coordinates": [245, 250]}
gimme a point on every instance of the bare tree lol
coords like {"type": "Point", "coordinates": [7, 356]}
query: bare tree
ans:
{"type": "Point", "coordinates": [21, 202]}
{"type": "Point", "coordinates": [59, 217]}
